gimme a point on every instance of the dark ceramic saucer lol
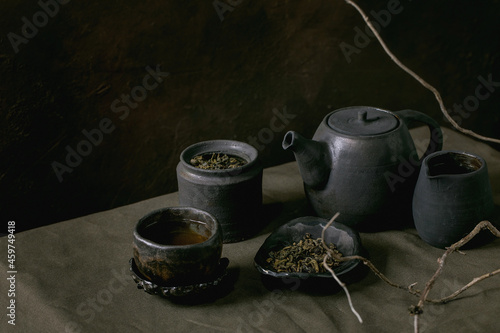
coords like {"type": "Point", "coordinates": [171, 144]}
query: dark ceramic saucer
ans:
{"type": "Point", "coordinates": [345, 238]}
{"type": "Point", "coordinates": [179, 291]}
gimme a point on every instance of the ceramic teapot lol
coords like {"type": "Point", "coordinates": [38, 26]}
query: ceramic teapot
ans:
{"type": "Point", "coordinates": [362, 162]}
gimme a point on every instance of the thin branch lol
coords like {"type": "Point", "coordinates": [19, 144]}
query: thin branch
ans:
{"type": "Point", "coordinates": [415, 310]}
{"type": "Point", "coordinates": [342, 284]}
{"type": "Point", "coordinates": [418, 309]}
{"type": "Point", "coordinates": [454, 247]}
{"type": "Point", "coordinates": [464, 288]}
{"type": "Point", "coordinates": [436, 93]}
{"type": "Point", "coordinates": [366, 262]}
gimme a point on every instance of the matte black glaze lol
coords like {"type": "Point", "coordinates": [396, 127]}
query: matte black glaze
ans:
{"type": "Point", "coordinates": [369, 175]}
{"type": "Point", "coordinates": [233, 196]}
{"type": "Point", "coordinates": [346, 239]}
{"type": "Point", "coordinates": [452, 195]}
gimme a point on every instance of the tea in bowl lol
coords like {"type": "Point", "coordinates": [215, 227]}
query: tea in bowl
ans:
{"type": "Point", "coordinates": [177, 246]}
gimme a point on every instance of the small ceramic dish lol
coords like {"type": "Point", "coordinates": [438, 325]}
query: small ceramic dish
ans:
{"type": "Point", "coordinates": [346, 240]}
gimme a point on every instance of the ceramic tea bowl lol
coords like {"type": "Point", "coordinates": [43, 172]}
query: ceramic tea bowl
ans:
{"type": "Point", "coordinates": [177, 246]}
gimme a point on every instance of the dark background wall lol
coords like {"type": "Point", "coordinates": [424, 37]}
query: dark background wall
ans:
{"type": "Point", "coordinates": [230, 75]}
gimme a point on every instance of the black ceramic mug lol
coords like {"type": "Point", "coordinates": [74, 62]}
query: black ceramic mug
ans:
{"type": "Point", "coordinates": [452, 195]}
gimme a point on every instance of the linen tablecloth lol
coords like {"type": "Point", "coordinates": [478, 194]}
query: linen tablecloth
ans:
{"type": "Point", "coordinates": [73, 276]}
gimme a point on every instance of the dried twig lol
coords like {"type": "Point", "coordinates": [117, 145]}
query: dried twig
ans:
{"type": "Point", "coordinates": [417, 310]}
{"type": "Point", "coordinates": [342, 284]}
{"type": "Point", "coordinates": [366, 262]}
{"type": "Point", "coordinates": [436, 93]}
{"type": "Point", "coordinates": [328, 268]}
{"type": "Point", "coordinates": [464, 288]}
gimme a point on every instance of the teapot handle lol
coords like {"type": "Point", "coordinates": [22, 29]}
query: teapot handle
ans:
{"type": "Point", "coordinates": [436, 141]}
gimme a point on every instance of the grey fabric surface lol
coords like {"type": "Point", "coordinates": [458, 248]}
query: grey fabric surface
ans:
{"type": "Point", "coordinates": [73, 276]}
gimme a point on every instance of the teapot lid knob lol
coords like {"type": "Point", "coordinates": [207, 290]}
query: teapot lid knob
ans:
{"type": "Point", "coordinates": [363, 115]}
{"type": "Point", "coordinates": [362, 120]}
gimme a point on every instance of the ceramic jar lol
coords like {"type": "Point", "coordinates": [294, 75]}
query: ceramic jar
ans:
{"type": "Point", "coordinates": [233, 196]}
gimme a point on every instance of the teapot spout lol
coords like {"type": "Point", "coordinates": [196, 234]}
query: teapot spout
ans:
{"type": "Point", "coordinates": [312, 158]}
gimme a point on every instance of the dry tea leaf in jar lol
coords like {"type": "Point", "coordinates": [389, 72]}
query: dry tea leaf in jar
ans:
{"type": "Point", "coordinates": [217, 161]}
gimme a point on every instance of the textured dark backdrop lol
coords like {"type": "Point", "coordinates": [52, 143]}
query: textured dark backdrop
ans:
{"type": "Point", "coordinates": [225, 79]}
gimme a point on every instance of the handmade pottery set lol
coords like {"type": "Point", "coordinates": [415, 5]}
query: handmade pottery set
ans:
{"type": "Point", "coordinates": [361, 162]}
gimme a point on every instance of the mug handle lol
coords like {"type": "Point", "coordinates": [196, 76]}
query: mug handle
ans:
{"type": "Point", "coordinates": [436, 141]}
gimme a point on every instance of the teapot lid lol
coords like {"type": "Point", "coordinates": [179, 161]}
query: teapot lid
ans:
{"type": "Point", "coordinates": [362, 121]}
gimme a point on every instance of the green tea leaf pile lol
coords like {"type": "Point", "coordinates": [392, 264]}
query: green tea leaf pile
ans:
{"type": "Point", "coordinates": [216, 161]}
{"type": "Point", "coordinates": [306, 256]}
